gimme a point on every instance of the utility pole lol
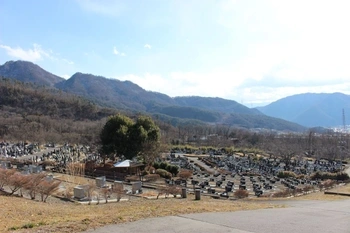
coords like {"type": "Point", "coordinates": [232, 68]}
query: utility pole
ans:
{"type": "Point", "coordinates": [344, 123]}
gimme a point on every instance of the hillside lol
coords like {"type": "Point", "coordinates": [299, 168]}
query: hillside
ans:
{"type": "Point", "coordinates": [36, 113]}
{"type": "Point", "coordinates": [111, 92]}
{"type": "Point", "coordinates": [310, 109]}
{"type": "Point", "coordinates": [127, 96]}
{"type": "Point", "coordinates": [215, 104]}
{"type": "Point", "coordinates": [29, 99]}
{"type": "Point", "coordinates": [28, 72]}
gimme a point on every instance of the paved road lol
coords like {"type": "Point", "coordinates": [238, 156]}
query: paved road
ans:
{"type": "Point", "coordinates": [300, 217]}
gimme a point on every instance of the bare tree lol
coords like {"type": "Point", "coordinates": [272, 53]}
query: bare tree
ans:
{"type": "Point", "coordinates": [5, 175]}
{"type": "Point", "coordinates": [31, 185]}
{"type": "Point", "coordinates": [47, 188]}
{"type": "Point", "coordinates": [118, 189]}
{"type": "Point", "coordinates": [185, 174]}
{"type": "Point", "coordinates": [168, 190]}
{"type": "Point", "coordinates": [90, 190]}
{"type": "Point", "coordinates": [106, 193]}
{"type": "Point", "coordinates": [16, 182]}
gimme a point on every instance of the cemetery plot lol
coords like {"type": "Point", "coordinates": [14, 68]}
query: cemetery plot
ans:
{"type": "Point", "coordinates": [216, 175]}
{"type": "Point", "coordinates": [222, 176]}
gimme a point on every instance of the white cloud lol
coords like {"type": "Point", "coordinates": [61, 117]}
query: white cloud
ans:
{"type": "Point", "coordinates": [186, 83]}
{"type": "Point", "coordinates": [65, 76]}
{"type": "Point", "coordinates": [148, 46]}
{"type": "Point", "coordinates": [33, 55]}
{"type": "Point", "coordinates": [116, 52]}
{"type": "Point", "coordinates": [271, 49]}
{"type": "Point", "coordinates": [229, 85]}
{"type": "Point", "coordinates": [37, 53]}
{"type": "Point", "coordinates": [68, 61]}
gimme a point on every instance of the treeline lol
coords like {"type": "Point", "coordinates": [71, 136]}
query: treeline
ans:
{"type": "Point", "coordinates": [42, 114]}
{"type": "Point", "coordinates": [30, 99]}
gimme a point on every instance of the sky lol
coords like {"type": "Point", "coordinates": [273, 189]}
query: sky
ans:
{"type": "Point", "coordinates": [251, 51]}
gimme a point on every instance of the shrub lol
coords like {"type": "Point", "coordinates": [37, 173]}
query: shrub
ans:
{"type": "Point", "coordinates": [156, 165]}
{"type": "Point", "coordinates": [308, 188]}
{"type": "Point", "coordinates": [150, 169]}
{"type": "Point", "coordinates": [28, 225]}
{"type": "Point", "coordinates": [144, 173]}
{"type": "Point", "coordinates": [342, 176]}
{"type": "Point", "coordinates": [185, 174]}
{"type": "Point", "coordinates": [151, 177]}
{"type": "Point", "coordinates": [163, 166]}
{"type": "Point", "coordinates": [284, 193]}
{"type": "Point", "coordinates": [132, 178]}
{"type": "Point", "coordinates": [163, 173]}
{"type": "Point", "coordinates": [241, 193]}
{"type": "Point", "coordinates": [173, 169]}
{"type": "Point", "coordinates": [327, 184]}
{"type": "Point", "coordinates": [286, 174]}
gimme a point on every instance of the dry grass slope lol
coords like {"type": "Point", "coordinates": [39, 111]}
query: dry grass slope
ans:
{"type": "Point", "coordinates": [23, 215]}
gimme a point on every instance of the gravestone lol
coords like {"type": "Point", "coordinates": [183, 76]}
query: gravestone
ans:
{"type": "Point", "coordinates": [25, 172]}
{"type": "Point", "coordinates": [197, 193]}
{"type": "Point", "coordinates": [5, 164]}
{"type": "Point", "coordinates": [80, 191]}
{"type": "Point", "coordinates": [100, 181]}
{"type": "Point", "coordinates": [32, 169]}
{"type": "Point", "coordinates": [49, 178]}
{"type": "Point", "coordinates": [184, 193]}
{"type": "Point", "coordinates": [136, 187]}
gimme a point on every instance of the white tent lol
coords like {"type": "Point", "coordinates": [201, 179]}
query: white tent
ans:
{"type": "Point", "coordinates": [125, 163]}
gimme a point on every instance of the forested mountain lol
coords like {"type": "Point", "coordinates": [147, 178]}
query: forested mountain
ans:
{"type": "Point", "coordinates": [30, 99]}
{"type": "Point", "coordinates": [311, 110]}
{"type": "Point", "coordinates": [43, 114]}
{"type": "Point", "coordinates": [112, 92]}
{"type": "Point", "coordinates": [127, 96]}
{"type": "Point", "coordinates": [215, 104]}
{"type": "Point", "coordinates": [28, 72]}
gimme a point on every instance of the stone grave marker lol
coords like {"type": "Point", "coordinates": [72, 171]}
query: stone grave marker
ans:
{"type": "Point", "coordinates": [80, 191]}
{"type": "Point", "coordinates": [136, 187]}
{"type": "Point", "coordinates": [100, 181]}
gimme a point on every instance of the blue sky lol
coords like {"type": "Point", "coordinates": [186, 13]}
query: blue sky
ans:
{"type": "Point", "coordinates": [253, 52]}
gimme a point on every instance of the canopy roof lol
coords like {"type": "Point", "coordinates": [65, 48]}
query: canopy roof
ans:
{"type": "Point", "coordinates": [125, 163]}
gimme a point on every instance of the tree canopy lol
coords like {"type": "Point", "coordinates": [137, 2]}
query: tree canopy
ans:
{"type": "Point", "coordinates": [123, 136]}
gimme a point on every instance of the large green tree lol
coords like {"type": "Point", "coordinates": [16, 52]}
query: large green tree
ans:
{"type": "Point", "coordinates": [122, 136]}
{"type": "Point", "coordinates": [115, 135]}
{"type": "Point", "coordinates": [145, 139]}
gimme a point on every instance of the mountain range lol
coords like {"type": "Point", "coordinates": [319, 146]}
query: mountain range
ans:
{"type": "Point", "coordinates": [128, 96]}
{"type": "Point", "coordinates": [311, 109]}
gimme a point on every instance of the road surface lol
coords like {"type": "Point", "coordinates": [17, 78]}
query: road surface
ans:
{"type": "Point", "coordinates": [299, 217]}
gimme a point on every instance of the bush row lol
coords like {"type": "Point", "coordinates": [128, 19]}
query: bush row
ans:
{"type": "Point", "coordinates": [163, 173]}
{"type": "Point", "coordinates": [341, 176]}
{"type": "Point", "coordinates": [172, 169]}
